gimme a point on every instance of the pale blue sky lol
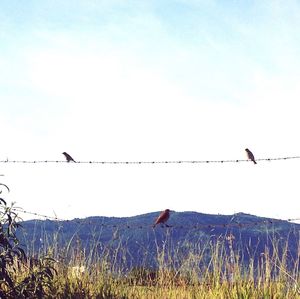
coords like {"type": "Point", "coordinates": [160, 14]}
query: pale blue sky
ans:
{"type": "Point", "coordinates": [150, 80]}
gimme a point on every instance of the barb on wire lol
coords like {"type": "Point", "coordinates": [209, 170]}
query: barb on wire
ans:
{"type": "Point", "coordinates": [20, 210]}
{"type": "Point", "coordinates": [238, 225]}
{"type": "Point", "coordinates": [151, 162]}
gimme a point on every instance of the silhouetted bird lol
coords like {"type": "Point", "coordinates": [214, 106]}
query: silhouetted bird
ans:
{"type": "Point", "coordinates": [68, 157]}
{"type": "Point", "coordinates": [162, 218]}
{"type": "Point", "coordinates": [250, 156]}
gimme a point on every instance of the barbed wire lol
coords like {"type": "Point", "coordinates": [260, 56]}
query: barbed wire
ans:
{"type": "Point", "coordinates": [20, 210]}
{"type": "Point", "coordinates": [231, 224]}
{"type": "Point", "coordinates": [151, 162]}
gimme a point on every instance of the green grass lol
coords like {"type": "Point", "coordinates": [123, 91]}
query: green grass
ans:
{"type": "Point", "coordinates": [208, 272]}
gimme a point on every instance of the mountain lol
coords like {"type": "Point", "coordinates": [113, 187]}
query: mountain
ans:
{"type": "Point", "coordinates": [133, 242]}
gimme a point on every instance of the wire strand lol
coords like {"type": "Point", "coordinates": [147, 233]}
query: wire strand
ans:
{"type": "Point", "coordinates": [151, 162]}
{"type": "Point", "coordinates": [232, 224]}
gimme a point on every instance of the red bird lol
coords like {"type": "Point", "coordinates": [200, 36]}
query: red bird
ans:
{"type": "Point", "coordinates": [68, 157]}
{"type": "Point", "coordinates": [250, 156]}
{"type": "Point", "coordinates": [162, 218]}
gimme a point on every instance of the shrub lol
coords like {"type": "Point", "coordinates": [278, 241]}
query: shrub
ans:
{"type": "Point", "coordinates": [12, 257]}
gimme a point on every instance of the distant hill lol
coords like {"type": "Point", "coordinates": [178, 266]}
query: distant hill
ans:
{"type": "Point", "coordinates": [135, 239]}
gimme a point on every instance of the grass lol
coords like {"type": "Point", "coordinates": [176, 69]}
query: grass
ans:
{"type": "Point", "coordinates": [212, 271]}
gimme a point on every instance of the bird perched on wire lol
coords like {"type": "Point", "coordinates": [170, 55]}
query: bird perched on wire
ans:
{"type": "Point", "coordinates": [68, 157]}
{"type": "Point", "coordinates": [162, 218]}
{"type": "Point", "coordinates": [250, 155]}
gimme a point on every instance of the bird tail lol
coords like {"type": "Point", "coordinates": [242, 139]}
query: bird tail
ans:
{"type": "Point", "coordinates": [254, 162]}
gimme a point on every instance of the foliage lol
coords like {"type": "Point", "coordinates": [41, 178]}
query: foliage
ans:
{"type": "Point", "coordinates": [13, 260]}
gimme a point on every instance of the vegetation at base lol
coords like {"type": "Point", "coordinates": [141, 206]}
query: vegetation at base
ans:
{"type": "Point", "coordinates": [211, 269]}
{"type": "Point", "coordinates": [20, 276]}
{"type": "Point", "coordinates": [219, 278]}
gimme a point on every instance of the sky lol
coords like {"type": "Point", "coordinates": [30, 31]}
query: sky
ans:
{"type": "Point", "coordinates": [116, 80]}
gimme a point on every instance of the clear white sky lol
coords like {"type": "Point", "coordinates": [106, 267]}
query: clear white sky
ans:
{"type": "Point", "coordinates": [150, 80]}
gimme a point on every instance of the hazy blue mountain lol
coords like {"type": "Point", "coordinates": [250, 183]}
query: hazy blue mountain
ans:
{"type": "Point", "coordinates": [134, 237]}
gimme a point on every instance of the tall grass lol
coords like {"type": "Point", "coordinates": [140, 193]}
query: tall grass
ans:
{"type": "Point", "coordinates": [210, 270]}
